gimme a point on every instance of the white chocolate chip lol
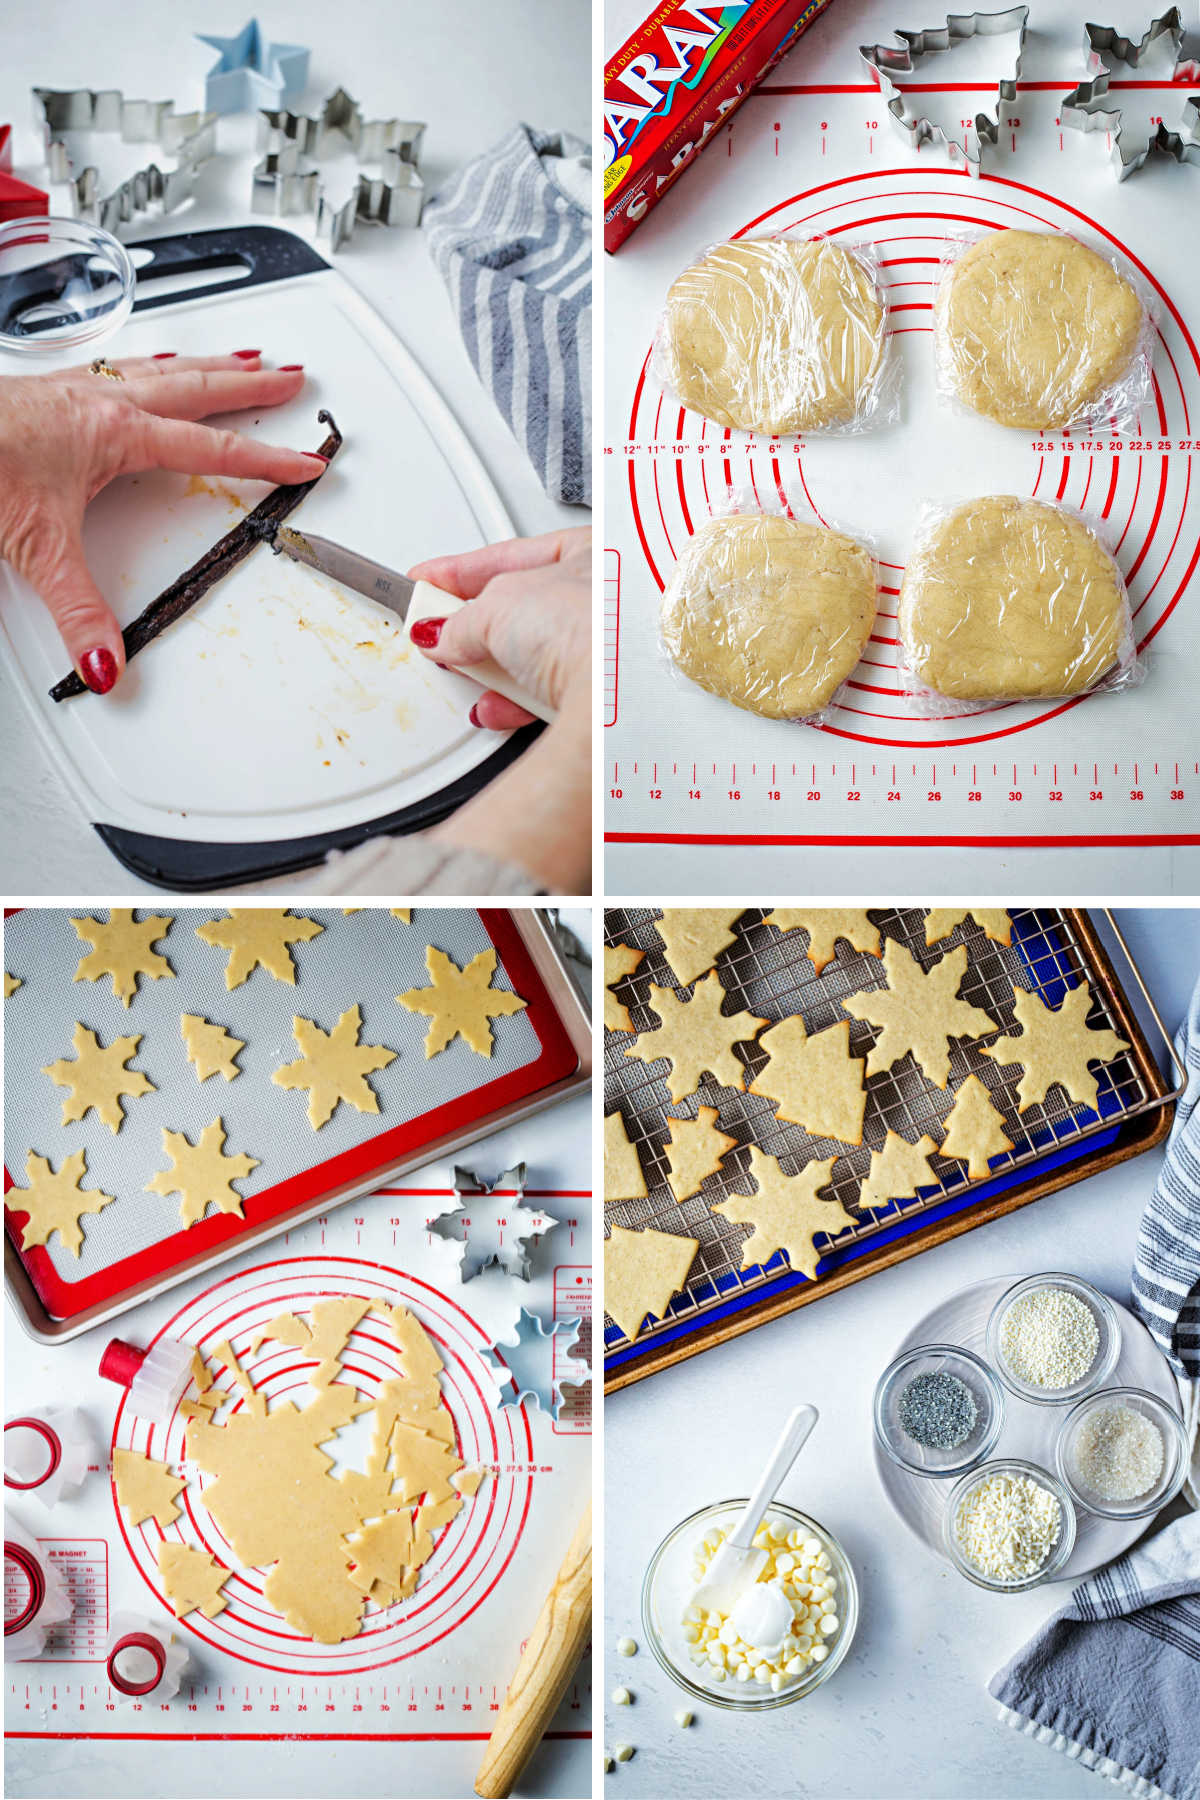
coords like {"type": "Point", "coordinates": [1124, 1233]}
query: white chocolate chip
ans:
{"type": "Point", "coordinates": [622, 1697]}
{"type": "Point", "coordinates": [818, 1653]}
{"type": "Point", "coordinates": [683, 1718]}
{"type": "Point", "coordinates": [626, 1647]}
{"type": "Point", "coordinates": [829, 1624]}
{"type": "Point", "coordinates": [623, 1752]}
{"type": "Point", "coordinates": [608, 1763]}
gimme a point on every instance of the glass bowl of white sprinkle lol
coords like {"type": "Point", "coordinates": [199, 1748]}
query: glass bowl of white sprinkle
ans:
{"type": "Point", "coordinates": [1123, 1453]}
{"type": "Point", "coordinates": [1053, 1338]}
{"type": "Point", "coordinates": [1009, 1525]}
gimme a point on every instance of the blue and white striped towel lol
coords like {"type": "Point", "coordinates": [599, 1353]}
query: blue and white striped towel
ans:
{"type": "Point", "coordinates": [512, 238]}
{"type": "Point", "coordinates": [1166, 1261]}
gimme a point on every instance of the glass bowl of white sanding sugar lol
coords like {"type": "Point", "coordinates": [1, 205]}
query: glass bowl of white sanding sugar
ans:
{"type": "Point", "coordinates": [1053, 1338]}
{"type": "Point", "coordinates": [1123, 1453]}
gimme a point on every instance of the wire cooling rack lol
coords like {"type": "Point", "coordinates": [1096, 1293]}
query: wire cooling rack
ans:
{"type": "Point", "coordinates": [767, 972]}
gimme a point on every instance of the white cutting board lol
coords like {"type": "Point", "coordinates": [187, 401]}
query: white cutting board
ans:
{"type": "Point", "coordinates": [281, 706]}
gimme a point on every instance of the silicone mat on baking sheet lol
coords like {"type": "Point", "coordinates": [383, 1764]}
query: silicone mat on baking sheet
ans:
{"type": "Point", "coordinates": [768, 973]}
{"type": "Point", "coordinates": [365, 958]}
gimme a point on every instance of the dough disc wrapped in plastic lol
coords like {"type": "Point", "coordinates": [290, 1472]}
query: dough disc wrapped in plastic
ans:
{"type": "Point", "coordinates": [769, 614]}
{"type": "Point", "coordinates": [774, 336]}
{"type": "Point", "coordinates": [1034, 329]}
{"type": "Point", "coordinates": [1010, 599]}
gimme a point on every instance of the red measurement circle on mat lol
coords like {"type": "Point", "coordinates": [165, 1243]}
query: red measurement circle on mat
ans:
{"type": "Point", "coordinates": [470, 1554]}
{"type": "Point", "coordinates": [1135, 486]}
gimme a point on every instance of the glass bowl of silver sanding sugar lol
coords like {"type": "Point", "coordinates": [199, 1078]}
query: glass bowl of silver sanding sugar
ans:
{"type": "Point", "coordinates": [938, 1410]}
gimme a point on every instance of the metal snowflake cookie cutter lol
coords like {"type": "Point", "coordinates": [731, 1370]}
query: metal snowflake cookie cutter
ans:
{"type": "Point", "coordinates": [395, 197]}
{"type": "Point", "coordinates": [499, 1223]}
{"type": "Point", "coordinates": [528, 1368]}
{"type": "Point", "coordinates": [1088, 108]}
{"type": "Point", "coordinates": [885, 59]}
{"type": "Point", "coordinates": [191, 138]}
{"type": "Point", "coordinates": [253, 71]}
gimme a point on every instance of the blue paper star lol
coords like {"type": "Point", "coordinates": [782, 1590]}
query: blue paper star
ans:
{"type": "Point", "coordinates": [253, 72]}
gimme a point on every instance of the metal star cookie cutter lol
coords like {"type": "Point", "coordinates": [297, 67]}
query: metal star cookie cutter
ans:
{"type": "Point", "coordinates": [395, 197]}
{"type": "Point", "coordinates": [490, 1238]}
{"type": "Point", "coordinates": [525, 1363]}
{"type": "Point", "coordinates": [191, 138]}
{"type": "Point", "coordinates": [884, 59]}
{"type": "Point", "coordinates": [1084, 109]}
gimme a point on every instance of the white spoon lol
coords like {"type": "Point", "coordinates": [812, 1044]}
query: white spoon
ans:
{"type": "Point", "coordinates": [737, 1565]}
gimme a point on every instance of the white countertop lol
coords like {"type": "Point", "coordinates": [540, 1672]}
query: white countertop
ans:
{"type": "Point", "coordinates": [908, 1714]}
{"type": "Point", "coordinates": [472, 71]}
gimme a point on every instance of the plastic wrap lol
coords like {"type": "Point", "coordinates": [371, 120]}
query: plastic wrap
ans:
{"type": "Point", "coordinates": [780, 336]}
{"type": "Point", "coordinates": [769, 614]}
{"type": "Point", "coordinates": [1040, 332]}
{"type": "Point", "coordinates": [1010, 599]}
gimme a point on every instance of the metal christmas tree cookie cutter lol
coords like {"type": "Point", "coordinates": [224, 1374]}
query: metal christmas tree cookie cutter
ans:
{"type": "Point", "coordinates": [191, 138]}
{"type": "Point", "coordinates": [287, 179]}
{"type": "Point", "coordinates": [1089, 107]}
{"type": "Point", "coordinates": [884, 60]}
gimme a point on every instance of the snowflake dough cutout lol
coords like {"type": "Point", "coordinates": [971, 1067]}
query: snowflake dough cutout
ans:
{"type": "Point", "coordinates": [694, 1151]}
{"type": "Point", "coordinates": [499, 1223]}
{"type": "Point", "coordinates": [623, 1177]}
{"type": "Point", "coordinates": [98, 1078]}
{"type": "Point", "coordinates": [202, 1173]}
{"type": "Point", "coordinates": [191, 1579]}
{"type": "Point", "coordinates": [642, 1271]}
{"type": "Point", "coordinates": [55, 1202]}
{"type": "Point", "coordinates": [975, 1130]}
{"type": "Point", "coordinates": [11, 984]}
{"type": "Point", "coordinates": [814, 1081]}
{"type": "Point", "coordinates": [993, 921]}
{"type": "Point", "coordinates": [334, 1066]}
{"type": "Point", "coordinates": [259, 937]}
{"type": "Point", "coordinates": [786, 1213]}
{"type": "Point", "coordinates": [919, 1012]}
{"type": "Point", "coordinates": [530, 1363]}
{"type": "Point", "coordinates": [121, 947]}
{"type": "Point", "coordinates": [693, 937]}
{"type": "Point", "coordinates": [146, 1488]}
{"type": "Point", "coordinates": [620, 960]}
{"type": "Point", "coordinates": [825, 925]}
{"type": "Point", "coordinates": [1056, 1047]}
{"type": "Point", "coordinates": [695, 1036]}
{"type": "Point", "coordinates": [461, 1002]}
{"type": "Point", "coordinates": [211, 1049]}
{"type": "Point", "coordinates": [897, 1171]}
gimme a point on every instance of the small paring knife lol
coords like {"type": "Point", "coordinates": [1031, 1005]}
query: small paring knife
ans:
{"type": "Point", "coordinates": [409, 600]}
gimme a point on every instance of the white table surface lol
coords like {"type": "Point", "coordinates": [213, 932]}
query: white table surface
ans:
{"type": "Point", "coordinates": [472, 70]}
{"type": "Point", "coordinates": [908, 1715]}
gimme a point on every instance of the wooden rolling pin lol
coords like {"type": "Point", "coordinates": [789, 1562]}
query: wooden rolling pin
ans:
{"type": "Point", "coordinates": [548, 1661]}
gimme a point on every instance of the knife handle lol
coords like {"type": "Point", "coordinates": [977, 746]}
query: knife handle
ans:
{"type": "Point", "coordinates": [429, 602]}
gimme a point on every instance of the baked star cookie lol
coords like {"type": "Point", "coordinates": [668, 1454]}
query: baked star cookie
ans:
{"type": "Point", "coordinates": [121, 947]}
{"type": "Point", "coordinates": [461, 1002]}
{"type": "Point", "coordinates": [814, 1081]}
{"type": "Point", "coordinates": [919, 1012]}
{"type": "Point", "coordinates": [642, 1270]}
{"type": "Point", "coordinates": [1056, 1047]}
{"type": "Point", "coordinates": [897, 1171]}
{"type": "Point", "coordinates": [334, 1066]}
{"type": "Point", "coordinates": [786, 1213]}
{"type": "Point", "coordinates": [55, 1202]}
{"type": "Point", "coordinates": [992, 920]}
{"type": "Point", "coordinates": [98, 1078]}
{"type": "Point", "coordinates": [773, 335]}
{"type": "Point", "coordinates": [211, 1049]}
{"type": "Point", "coordinates": [975, 1130]}
{"type": "Point", "coordinates": [620, 960]}
{"type": "Point", "coordinates": [825, 925]}
{"type": "Point", "coordinates": [201, 1173]}
{"type": "Point", "coordinates": [768, 613]}
{"type": "Point", "coordinates": [693, 937]}
{"type": "Point", "coordinates": [623, 1178]}
{"type": "Point", "coordinates": [694, 1151]}
{"type": "Point", "coordinates": [259, 937]}
{"type": "Point", "coordinates": [1033, 328]}
{"type": "Point", "coordinates": [695, 1036]}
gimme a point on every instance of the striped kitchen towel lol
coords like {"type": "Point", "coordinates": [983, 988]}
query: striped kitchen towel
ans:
{"type": "Point", "coordinates": [1166, 1261]}
{"type": "Point", "coordinates": [512, 238]}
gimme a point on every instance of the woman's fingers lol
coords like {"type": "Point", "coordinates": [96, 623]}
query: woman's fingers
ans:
{"type": "Point", "coordinates": [165, 362]}
{"type": "Point", "coordinates": [203, 450]}
{"type": "Point", "coordinates": [83, 617]}
{"type": "Point", "coordinates": [493, 712]}
{"type": "Point", "coordinates": [469, 574]}
{"type": "Point", "coordinates": [198, 393]}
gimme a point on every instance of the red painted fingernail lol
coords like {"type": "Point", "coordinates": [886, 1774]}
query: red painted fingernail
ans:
{"type": "Point", "coordinates": [474, 717]}
{"type": "Point", "coordinates": [99, 669]}
{"type": "Point", "coordinates": [247, 355]}
{"type": "Point", "coordinates": [426, 632]}
{"type": "Point", "coordinates": [163, 355]}
{"type": "Point", "coordinates": [317, 457]}
{"type": "Point", "coordinates": [446, 666]}
{"type": "Point", "coordinates": [290, 368]}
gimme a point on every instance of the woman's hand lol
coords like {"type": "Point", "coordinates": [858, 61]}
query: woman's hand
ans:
{"type": "Point", "coordinates": [65, 436]}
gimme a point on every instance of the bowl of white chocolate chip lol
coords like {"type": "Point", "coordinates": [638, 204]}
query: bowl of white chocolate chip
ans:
{"type": "Point", "coordinates": [787, 1632]}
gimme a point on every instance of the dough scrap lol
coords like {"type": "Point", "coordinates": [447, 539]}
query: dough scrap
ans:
{"type": "Point", "coordinates": [695, 1036]}
{"type": "Point", "coordinates": [619, 960]}
{"type": "Point", "coordinates": [773, 335]}
{"type": "Point", "coordinates": [898, 1170]}
{"type": "Point", "coordinates": [146, 1488]}
{"type": "Point", "coordinates": [786, 1213]}
{"type": "Point", "coordinates": [461, 1001]}
{"type": "Point", "coordinates": [55, 1202]}
{"type": "Point", "coordinates": [191, 1579]}
{"type": "Point", "coordinates": [1056, 1047]}
{"type": "Point", "coordinates": [975, 1130]}
{"type": "Point", "coordinates": [623, 1177]}
{"type": "Point", "coordinates": [201, 1173]}
{"type": "Point", "coordinates": [768, 613]}
{"type": "Point", "coordinates": [211, 1049]}
{"type": "Point", "coordinates": [11, 984]}
{"type": "Point", "coordinates": [1011, 599]}
{"type": "Point", "coordinates": [97, 1077]}
{"type": "Point", "coordinates": [1034, 328]}
{"type": "Point", "coordinates": [993, 921]}
{"type": "Point", "coordinates": [642, 1270]}
{"type": "Point", "coordinates": [334, 1066]}
{"type": "Point", "coordinates": [825, 925]}
{"type": "Point", "coordinates": [397, 912]}
{"type": "Point", "coordinates": [693, 937]}
{"type": "Point", "coordinates": [694, 1151]}
{"type": "Point", "coordinates": [919, 1012]}
{"type": "Point", "coordinates": [121, 947]}
{"type": "Point", "coordinates": [285, 1328]}
{"type": "Point", "coordinates": [814, 1081]}
{"type": "Point", "coordinates": [259, 937]}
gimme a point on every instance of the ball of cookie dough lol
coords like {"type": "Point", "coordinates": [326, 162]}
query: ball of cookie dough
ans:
{"type": "Point", "coordinates": [1010, 599]}
{"type": "Point", "coordinates": [773, 336]}
{"type": "Point", "coordinates": [1034, 328]}
{"type": "Point", "coordinates": [769, 614]}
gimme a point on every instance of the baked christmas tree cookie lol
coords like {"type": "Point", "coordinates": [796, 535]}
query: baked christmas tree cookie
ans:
{"type": "Point", "coordinates": [693, 937]}
{"type": "Point", "coordinates": [619, 960]}
{"type": "Point", "coordinates": [897, 1171]}
{"type": "Point", "coordinates": [814, 1081]}
{"type": "Point", "coordinates": [975, 1130]}
{"type": "Point", "coordinates": [825, 925]}
{"type": "Point", "coordinates": [642, 1270]}
{"type": "Point", "coordinates": [623, 1178]}
{"type": "Point", "coordinates": [694, 1151]}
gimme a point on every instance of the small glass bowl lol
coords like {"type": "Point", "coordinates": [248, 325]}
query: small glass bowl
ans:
{"type": "Point", "coordinates": [1107, 1351]}
{"type": "Point", "coordinates": [1176, 1453]}
{"type": "Point", "coordinates": [669, 1585]}
{"type": "Point", "coordinates": [1009, 1465]}
{"type": "Point", "coordinates": [973, 1372]}
{"type": "Point", "coordinates": [63, 284]}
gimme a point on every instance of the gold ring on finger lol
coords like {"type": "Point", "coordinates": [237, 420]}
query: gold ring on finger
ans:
{"type": "Point", "coordinates": [102, 366]}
